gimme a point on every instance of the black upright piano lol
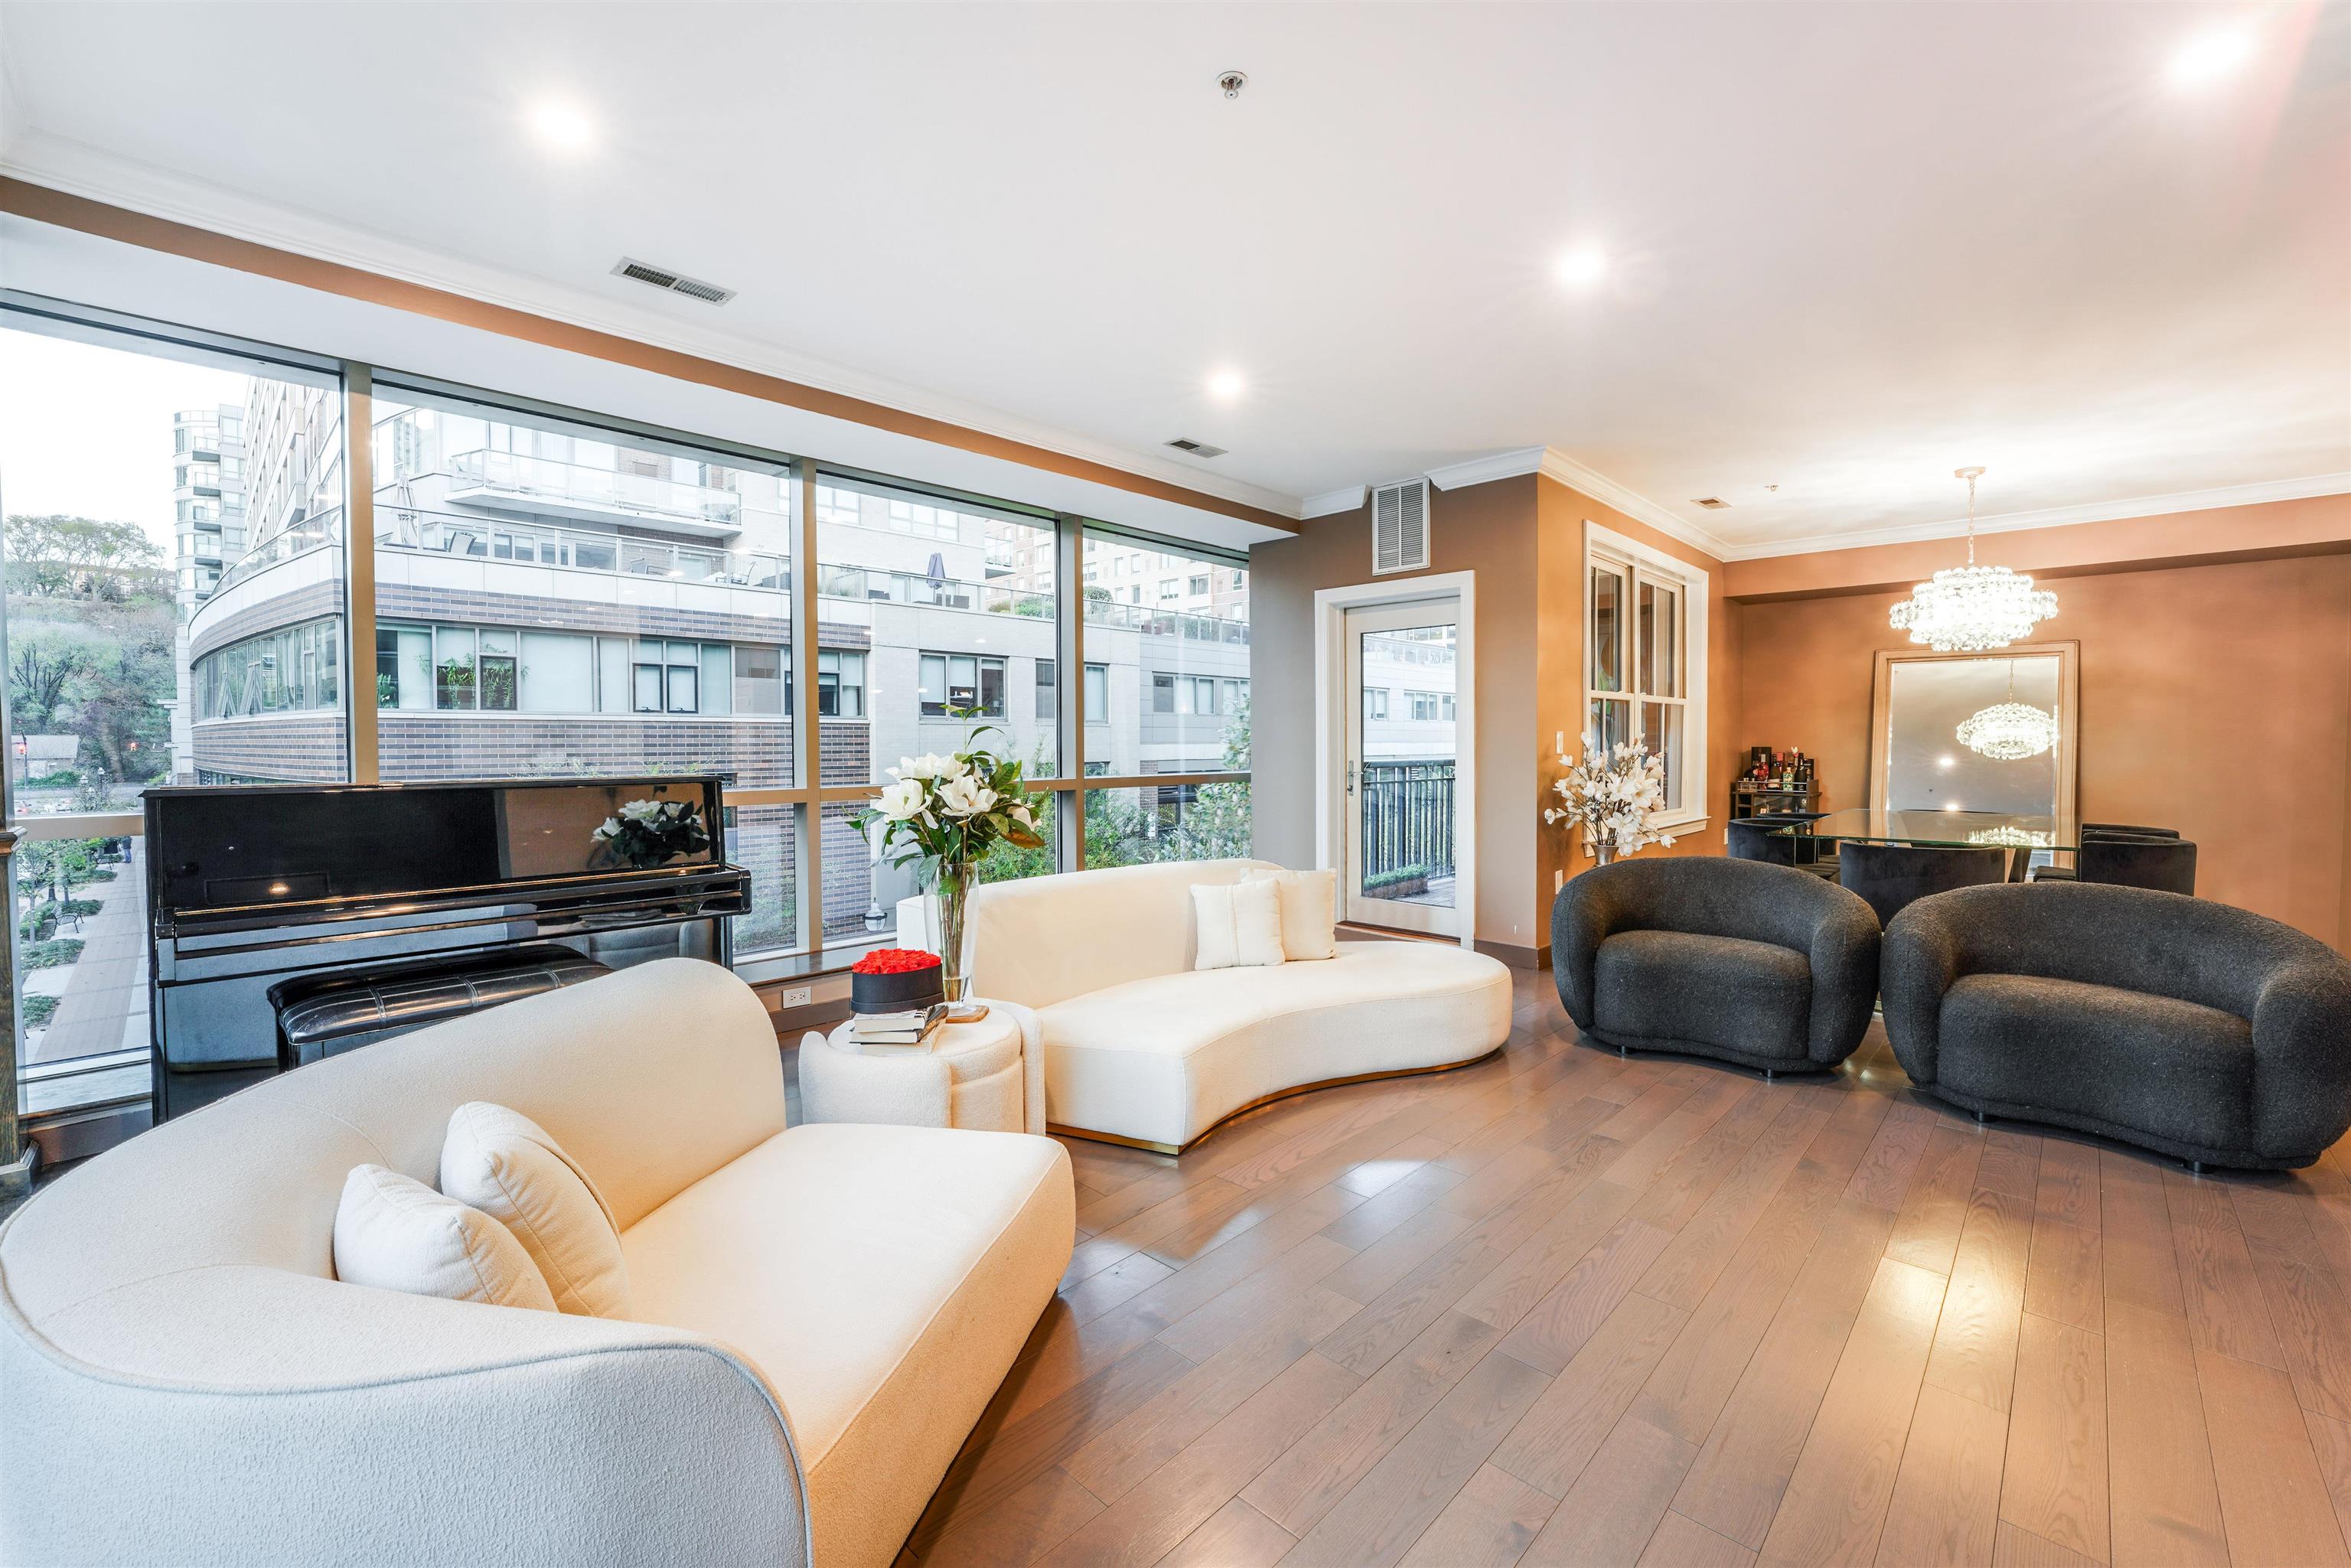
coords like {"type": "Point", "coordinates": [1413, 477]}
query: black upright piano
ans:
{"type": "Point", "coordinates": [290, 921]}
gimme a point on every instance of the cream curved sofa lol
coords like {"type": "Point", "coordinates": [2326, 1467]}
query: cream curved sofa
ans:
{"type": "Point", "coordinates": [823, 1313]}
{"type": "Point", "coordinates": [1142, 1048]}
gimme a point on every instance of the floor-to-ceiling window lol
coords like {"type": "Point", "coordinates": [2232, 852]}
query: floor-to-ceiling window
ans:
{"type": "Point", "coordinates": [173, 613]}
{"type": "Point", "coordinates": [555, 591]}
{"type": "Point", "coordinates": [1167, 697]}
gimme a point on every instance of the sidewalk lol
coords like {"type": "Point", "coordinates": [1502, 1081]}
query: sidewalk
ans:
{"type": "Point", "coordinates": [104, 1004]}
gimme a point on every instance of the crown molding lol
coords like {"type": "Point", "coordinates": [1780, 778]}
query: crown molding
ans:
{"type": "Point", "coordinates": [2253, 494]}
{"type": "Point", "coordinates": [1558, 465]}
{"type": "Point", "coordinates": [1486, 470]}
{"type": "Point", "coordinates": [1345, 498]}
{"type": "Point", "coordinates": [58, 164]}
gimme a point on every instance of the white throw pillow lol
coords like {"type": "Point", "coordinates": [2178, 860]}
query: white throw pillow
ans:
{"type": "Point", "coordinates": [505, 1164]}
{"type": "Point", "coordinates": [1309, 905]}
{"type": "Point", "coordinates": [393, 1232]}
{"type": "Point", "coordinates": [1240, 925]}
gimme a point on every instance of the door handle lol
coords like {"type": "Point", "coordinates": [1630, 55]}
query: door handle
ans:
{"type": "Point", "coordinates": [1351, 777]}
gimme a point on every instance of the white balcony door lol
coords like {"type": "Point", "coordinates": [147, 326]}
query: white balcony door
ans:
{"type": "Point", "coordinates": [1401, 744]}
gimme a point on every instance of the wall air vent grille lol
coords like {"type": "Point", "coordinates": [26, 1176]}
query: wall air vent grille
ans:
{"type": "Point", "coordinates": [1400, 527]}
{"type": "Point", "coordinates": [1197, 448]}
{"type": "Point", "coordinates": [1711, 503]}
{"type": "Point", "coordinates": [673, 282]}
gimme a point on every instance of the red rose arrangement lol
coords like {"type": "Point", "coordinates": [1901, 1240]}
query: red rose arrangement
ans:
{"type": "Point", "coordinates": [894, 961]}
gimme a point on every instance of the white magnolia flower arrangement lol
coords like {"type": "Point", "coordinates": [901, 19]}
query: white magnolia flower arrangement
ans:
{"type": "Point", "coordinates": [950, 811]}
{"type": "Point", "coordinates": [1610, 793]}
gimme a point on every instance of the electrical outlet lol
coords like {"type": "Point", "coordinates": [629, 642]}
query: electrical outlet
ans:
{"type": "Point", "coordinates": [1558, 879]}
{"type": "Point", "coordinates": [797, 996]}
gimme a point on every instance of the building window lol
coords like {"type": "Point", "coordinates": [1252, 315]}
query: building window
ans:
{"type": "Point", "coordinates": [955, 684]}
{"type": "Point", "coordinates": [925, 522]}
{"type": "Point", "coordinates": [1163, 693]}
{"type": "Point", "coordinates": [840, 683]}
{"type": "Point", "coordinates": [1424, 707]}
{"type": "Point", "coordinates": [1375, 703]}
{"type": "Point", "coordinates": [1047, 692]}
{"type": "Point", "coordinates": [836, 507]}
{"type": "Point", "coordinates": [1199, 585]}
{"type": "Point", "coordinates": [1444, 707]}
{"type": "Point", "coordinates": [760, 680]}
{"type": "Point", "coordinates": [1197, 695]}
{"type": "Point", "coordinates": [294, 669]}
{"type": "Point", "coordinates": [1097, 697]}
{"type": "Point", "coordinates": [1645, 651]}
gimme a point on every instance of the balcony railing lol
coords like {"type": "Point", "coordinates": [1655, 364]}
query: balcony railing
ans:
{"type": "Point", "coordinates": [298, 539]}
{"type": "Point", "coordinates": [1166, 622]}
{"type": "Point", "coordinates": [534, 544]}
{"type": "Point", "coordinates": [547, 479]}
{"type": "Point", "coordinates": [1407, 832]}
{"type": "Point", "coordinates": [877, 585]}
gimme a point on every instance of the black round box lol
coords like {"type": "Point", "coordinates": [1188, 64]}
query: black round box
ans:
{"type": "Point", "coordinates": [897, 993]}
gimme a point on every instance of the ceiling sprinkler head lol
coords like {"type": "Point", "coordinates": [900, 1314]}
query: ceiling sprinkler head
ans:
{"type": "Point", "coordinates": [1232, 82]}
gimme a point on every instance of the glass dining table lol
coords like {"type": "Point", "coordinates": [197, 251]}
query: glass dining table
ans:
{"type": "Point", "coordinates": [1942, 829]}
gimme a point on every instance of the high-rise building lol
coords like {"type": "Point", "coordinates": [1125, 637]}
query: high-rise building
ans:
{"type": "Point", "coordinates": [208, 498]}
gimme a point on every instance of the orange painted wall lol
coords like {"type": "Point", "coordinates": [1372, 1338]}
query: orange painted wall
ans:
{"type": "Point", "coordinates": [2215, 698]}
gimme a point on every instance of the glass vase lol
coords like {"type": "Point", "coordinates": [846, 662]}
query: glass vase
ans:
{"type": "Point", "coordinates": [949, 894]}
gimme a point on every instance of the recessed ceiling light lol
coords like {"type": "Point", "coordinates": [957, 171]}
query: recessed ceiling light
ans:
{"type": "Point", "coordinates": [1581, 267]}
{"type": "Point", "coordinates": [1225, 385]}
{"type": "Point", "coordinates": [560, 124]}
{"type": "Point", "coordinates": [2211, 55]}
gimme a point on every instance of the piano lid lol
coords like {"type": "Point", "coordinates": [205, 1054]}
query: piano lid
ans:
{"type": "Point", "coordinates": [232, 846]}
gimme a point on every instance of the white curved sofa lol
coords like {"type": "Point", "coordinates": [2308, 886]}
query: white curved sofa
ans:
{"type": "Point", "coordinates": [1140, 1048]}
{"type": "Point", "coordinates": [823, 1315]}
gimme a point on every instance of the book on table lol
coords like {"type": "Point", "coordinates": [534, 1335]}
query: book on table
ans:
{"type": "Point", "coordinates": [907, 1030]}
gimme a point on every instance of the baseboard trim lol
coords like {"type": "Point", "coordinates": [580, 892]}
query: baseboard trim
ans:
{"type": "Point", "coordinates": [1517, 957]}
{"type": "Point", "coordinates": [1087, 1134]}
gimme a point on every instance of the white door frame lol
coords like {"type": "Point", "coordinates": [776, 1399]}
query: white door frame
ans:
{"type": "Point", "coordinates": [1329, 673]}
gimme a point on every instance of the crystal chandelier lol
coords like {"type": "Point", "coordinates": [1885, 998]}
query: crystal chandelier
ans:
{"type": "Point", "coordinates": [1970, 609]}
{"type": "Point", "coordinates": [2009, 731]}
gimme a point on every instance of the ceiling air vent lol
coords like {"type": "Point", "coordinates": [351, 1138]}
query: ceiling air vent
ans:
{"type": "Point", "coordinates": [1197, 448]}
{"type": "Point", "coordinates": [1400, 527]}
{"type": "Point", "coordinates": [676, 283]}
{"type": "Point", "coordinates": [1711, 503]}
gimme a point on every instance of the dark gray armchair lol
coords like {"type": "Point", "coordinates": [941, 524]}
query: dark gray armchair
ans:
{"type": "Point", "coordinates": [1762, 965]}
{"type": "Point", "coordinates": [2201, 1031]}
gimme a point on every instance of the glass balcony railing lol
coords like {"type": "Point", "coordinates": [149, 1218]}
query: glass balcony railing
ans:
{"type": "Point", "coordinates": [1166, 622]}
{"type": "Point", "coordinates": [296, 538]}
{"type": "Point", "coordinates": [547, 479]}
{"type": "Point", "coordinates": [480, 539]}
{"type": "Point", "coordinates": [875, 584]}
{"type": "Point", "coordinates": [872, 583]}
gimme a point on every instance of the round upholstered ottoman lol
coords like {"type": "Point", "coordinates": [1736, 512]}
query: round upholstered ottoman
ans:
{"type": "Point", "coordinates": [989, 1074]}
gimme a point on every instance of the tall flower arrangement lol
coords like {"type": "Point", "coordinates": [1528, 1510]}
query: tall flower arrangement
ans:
{"type": "Point", "coordinates": [948, 813]}
{"type": "Point", "coordinates": [1609, 792]}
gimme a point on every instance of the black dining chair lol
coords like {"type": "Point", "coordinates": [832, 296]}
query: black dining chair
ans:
{"type": "Point", "coordinates": [2130, 829]}
{"type": "Point", "coordinates": [1756, 838]}
{"type": "Point", "coordinates": [2131, 857]}
{"type": "Point", "coordinates": [1890, 876]}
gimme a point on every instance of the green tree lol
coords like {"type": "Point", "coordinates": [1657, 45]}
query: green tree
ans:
{"type": "Point", "coordinates": [43, 660]}
{"type": "Point", "coordinates": [58, 557]}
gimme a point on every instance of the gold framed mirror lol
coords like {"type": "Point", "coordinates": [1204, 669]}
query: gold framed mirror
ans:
{"type": "Point", "coordinates": [1925, 755]}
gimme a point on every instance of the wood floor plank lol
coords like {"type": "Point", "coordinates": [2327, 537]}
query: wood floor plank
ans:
{"type": "Point", "coordinates": [1377, 1521]}
{"type": "Point", "coordinates": [1509, 1289]}
{"type": "Point", "coordinates": [2055, 1482]}
{"type": "Point", "coordinates": [2313, 1321]}
{"type": "Point", "coordinates": [2063, 1278]}
{"type": "Point", "coordinates": [1555, 1328]}
{"type": "Point", "coordinates": [1975, 1343]}
{"type": "Point", "coordinates": [1927, 1230]}
{"type": "Point", "coordinates": [1735, 1485]}
{"type": "Point", "coordinates": [1379, 1216]}
{"type": "Point", "coordinates": [2227, 1310]}
{"type": "Point", "coordinates": [1945, 1512]}
{"type": "Point", "coordinates": [2330, 1442]}
{"type": "Point", "coordinates": [1609, 1516]}
{"type": "Point", "coordinates": [1685, 1183]}
{"type": "Point", "coordinates": [1235, 1536]}
{"type": "Point", "coordinates": [1489, 1523]}
{"type": "Point", "coordinates": [1090, 1297]}
{"type": "Point", "coordinates": [1559, 1434]}
{"type": "Point", "coordinates": [2015, 1548]}
{"type": "Point", "coordinates": [2167, 1509]}
{"type": "Point", "coordinates": [2273, 1499]}
{"type": "Point", "coordinates": [1308, 1481]}
{"type": "Point", "coordinates": [1180, 1496]}
{"type": "Point", "coordinates": [1683, 1543]}
{"type": "Point", "coordinates": [1885, 1174]}
{"type": "Point", "coordinates": [2137, 1260]}
{"type": "Point", "coordinates": [1020, 1530]}
{"type": "Point", "coordinates": [2068, 1188]}
{"type": "Point", "coordinates": [1837, 1495]}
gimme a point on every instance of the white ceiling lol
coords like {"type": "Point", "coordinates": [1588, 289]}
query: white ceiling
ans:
{"type": "Point", "coordinates": [1851, 247]}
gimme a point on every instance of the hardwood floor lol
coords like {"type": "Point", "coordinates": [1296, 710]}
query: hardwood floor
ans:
{"type": "Point", "coordinates": [1563, 1308]}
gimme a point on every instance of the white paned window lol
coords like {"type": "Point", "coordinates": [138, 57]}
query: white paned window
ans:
{"type": "Point", "coordinates": [1645, 661]}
